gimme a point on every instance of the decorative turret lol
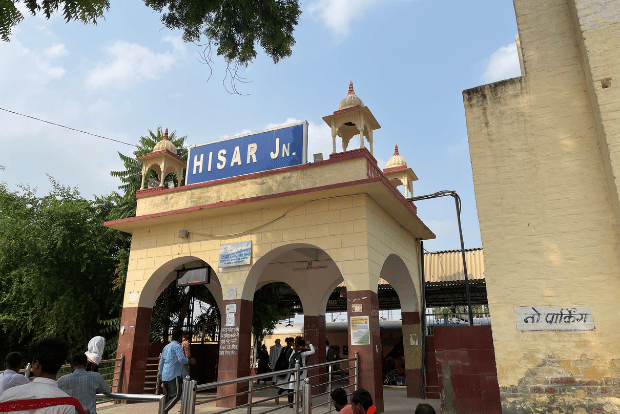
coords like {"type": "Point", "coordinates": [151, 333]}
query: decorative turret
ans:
{"type": "Point", "coordinates": [163, 160]}
{"type": "Point", "coordinates": [397, 172]}
{"type": "Point", "coordinates": [352, 118]}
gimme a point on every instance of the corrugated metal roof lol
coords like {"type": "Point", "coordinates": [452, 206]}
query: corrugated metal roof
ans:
{"type": "Point", "coordinates": [448, 265]}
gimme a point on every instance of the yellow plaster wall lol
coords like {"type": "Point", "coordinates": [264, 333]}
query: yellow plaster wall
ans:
{"type": "Point", "coordinates": [547, 204]}
{"type": "Point", "coordinates": [247, 187]}
{"type": "Point", "coordinates": [353, 230]}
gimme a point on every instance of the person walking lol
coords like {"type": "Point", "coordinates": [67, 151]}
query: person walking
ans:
{"type": "Point", "coordinates": [298, 357]}
{"type": "Point", "coordinates": [11, 377]}
{"type": "Point", "coordinates": [83, 385]}
{"type": "Point", "coordinates": [263, 362]}
{"type": "Point", "coordinates": [274, 354]}
{"type": "Point", "coordinates": [282, 364]}
{"type": "Point", "coordinates": [170, 369]}
{"type": "Point", "coordinates": [187, 351]}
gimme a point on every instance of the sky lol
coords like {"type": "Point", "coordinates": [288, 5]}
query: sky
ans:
{"type": "Point", "coordinates": [409, 61]}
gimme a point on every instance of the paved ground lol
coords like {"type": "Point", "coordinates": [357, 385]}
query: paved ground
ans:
{"type": "Point", "coordinates": [395, 398]}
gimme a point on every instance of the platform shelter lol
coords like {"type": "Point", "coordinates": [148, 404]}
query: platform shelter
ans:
{"type": "Point", "coordinates": [312, 225]}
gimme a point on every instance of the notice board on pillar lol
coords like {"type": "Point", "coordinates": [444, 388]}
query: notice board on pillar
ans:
{"type": "Point", "coordinates": [360, 330]}
{"type": "Point", "coordinates": [271, 149]}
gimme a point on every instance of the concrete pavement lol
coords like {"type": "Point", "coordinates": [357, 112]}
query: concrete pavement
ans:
{"type": "Point", "coordinates": [395, 398]}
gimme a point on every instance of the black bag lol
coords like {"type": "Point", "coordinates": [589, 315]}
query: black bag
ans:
{"type": "Point", "coordinates": [282, 362]}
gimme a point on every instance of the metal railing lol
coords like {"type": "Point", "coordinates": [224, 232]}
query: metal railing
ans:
{"type": "Point", "coordinates": [117, 397]}
{"type": "Point", "coordinates": [434, 319]}
{"type": "Point", "coordinates": [302, 389]}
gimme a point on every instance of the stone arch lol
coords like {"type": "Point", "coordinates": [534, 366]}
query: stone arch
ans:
{"type": "Point", "coordinates": [397, 274]}
{"type": "Point", "coordinates": [165, 274]}
{"type": "Point", "coordinates": [311, 301]}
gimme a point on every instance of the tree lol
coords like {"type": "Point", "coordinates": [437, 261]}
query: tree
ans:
{"type": "Point", "coordinates": [235, 27]}
{"type": "Point", "coordinates": [57, 266]}
{"type": "Point", "coordinates": [267, 311]}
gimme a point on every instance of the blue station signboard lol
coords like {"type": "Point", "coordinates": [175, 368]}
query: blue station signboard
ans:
{"type": "Point", "coordinates": [246, 154]}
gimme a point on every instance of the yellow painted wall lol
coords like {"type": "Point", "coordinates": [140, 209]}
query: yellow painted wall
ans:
{"type": "Point", "coordinates": [544, 150]}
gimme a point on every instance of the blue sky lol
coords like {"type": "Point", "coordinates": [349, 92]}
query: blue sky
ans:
{"type": "Point", "coordinates": [409, 60]}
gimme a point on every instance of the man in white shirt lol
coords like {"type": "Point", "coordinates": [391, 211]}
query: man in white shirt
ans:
{"type": "Point", "coordinates": [42, 395]}
{"type": "Point", "coordinates": [274, 354]}
{"type": "Point", "coordinates": [11, 377]}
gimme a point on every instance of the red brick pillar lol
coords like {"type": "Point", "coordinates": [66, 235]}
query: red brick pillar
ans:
{"type": "Point", "coordinates": [363, 305]}
{"type": "Point", "coordinates": [314, 333]}
{"type": "Point", "coordinates": [235, 343]}
{"type": "Point", "coordinates": [412, 342]}
{"type": "Point", "coordinates": [133, 344]}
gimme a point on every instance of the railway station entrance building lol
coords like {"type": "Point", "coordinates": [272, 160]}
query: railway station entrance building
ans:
{"type": "Point", "coordinates": [311, 225]}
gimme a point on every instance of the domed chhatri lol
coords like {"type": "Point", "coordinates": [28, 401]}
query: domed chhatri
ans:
{"type": "Point", "coordinates": [397, 172]}
{"type": "Point", "coordinates": [165, 144]}
{"type": "Point", "coordinates": [352, 118]}
{"type": "Point", "coordinates": [351, 100]}
{"type": "Point", "coordinates": [396, 160]}
{"type": "Point", "coordinates": [163, 160]}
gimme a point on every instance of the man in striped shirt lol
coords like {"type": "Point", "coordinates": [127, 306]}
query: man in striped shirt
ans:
{"type": "Point", "coordinates": [171, 368]}
{"type": "Point", "coordinates": [83, 385]}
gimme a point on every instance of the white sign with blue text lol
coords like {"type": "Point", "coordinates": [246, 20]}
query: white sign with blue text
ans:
{"type": "Point", "coordinates": [235, 254]}
{"type": "Point", "coordinates": [246, 154]}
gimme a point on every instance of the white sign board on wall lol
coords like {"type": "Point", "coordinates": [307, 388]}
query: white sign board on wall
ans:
{"type": "Point", "coordinates": [554, 318]}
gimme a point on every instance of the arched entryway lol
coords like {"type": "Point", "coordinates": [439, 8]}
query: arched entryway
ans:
{"type": "Point", "coordinates": [135, 331]}
{"type": "Point", "coordinates": [396, 272]}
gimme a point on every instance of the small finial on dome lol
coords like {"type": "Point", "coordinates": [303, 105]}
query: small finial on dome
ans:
{"type": "Point", "coordinates": [166, 134]}
{"type": "Point", "coordinates": [351, 88]}
{"type": "Point", "coordinates": [396, 150]}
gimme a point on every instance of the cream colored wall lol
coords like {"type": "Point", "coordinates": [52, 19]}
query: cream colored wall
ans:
{"type": "Point", "coordinates": [262, 185]}
{"type": "Point", "coordinates": [386, 237]}
{"type": "Point", "coordinates": [547, 213]}
{"type": "Point", "coordinates": [337, 225]}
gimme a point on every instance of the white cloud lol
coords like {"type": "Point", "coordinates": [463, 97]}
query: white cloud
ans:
{"type": "Point", "coordinates": [337, 14]}
{"type": "Point", "coordinates": [32, 68]}
{"type": "Point", "coordinates": [503, 64]}
{"type": "Point", "coordinates": [133, 63]}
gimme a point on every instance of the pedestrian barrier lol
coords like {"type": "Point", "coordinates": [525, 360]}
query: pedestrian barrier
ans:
{"type": "Point", "coordinates": [302, 390]}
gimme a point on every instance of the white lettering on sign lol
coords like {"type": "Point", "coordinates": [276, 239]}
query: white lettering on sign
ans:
{"type": "Point", "coordinates": [198, 163]}
{"type": "Point", "coordinates": [275, 148]}
{"type": "Point", "coordinates": [252, 152]}
{"type": "Point", "coordinates": [236, 158]}
{"type": "Point", "coordinates": [274, 155]}
{"type": "Point", "coordinates": [222, 157]}
{"type": "Point", "coordinates": [554, 318]}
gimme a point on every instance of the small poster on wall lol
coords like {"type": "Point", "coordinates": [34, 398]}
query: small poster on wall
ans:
{"type": "Point", "coordinates": [235, 254]}
{"type": "Point", "coordinates": [360, 330]}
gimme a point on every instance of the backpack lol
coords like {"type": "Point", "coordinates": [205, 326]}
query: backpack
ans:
{"type": "Point", "coordinates": [296, 359]}
{"type": "Point", "coordinates": [282, 362]}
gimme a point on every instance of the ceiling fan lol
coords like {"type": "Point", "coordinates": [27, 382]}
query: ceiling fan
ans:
{"type": "Point", "coordinates": [311, 266]}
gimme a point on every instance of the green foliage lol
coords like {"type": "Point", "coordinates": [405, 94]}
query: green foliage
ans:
{"type": "Point", "coordinates": [86, 11]}
{"type": "Point", "coordinates": [268, 309]}
{"type": "Point", "coordinates": [57, 266]}
{"type": "Point", "coordinates": [235, 27]}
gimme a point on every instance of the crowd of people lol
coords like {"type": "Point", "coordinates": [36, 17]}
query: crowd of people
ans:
{"type": "Point", "coordinates": [74, 392]}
